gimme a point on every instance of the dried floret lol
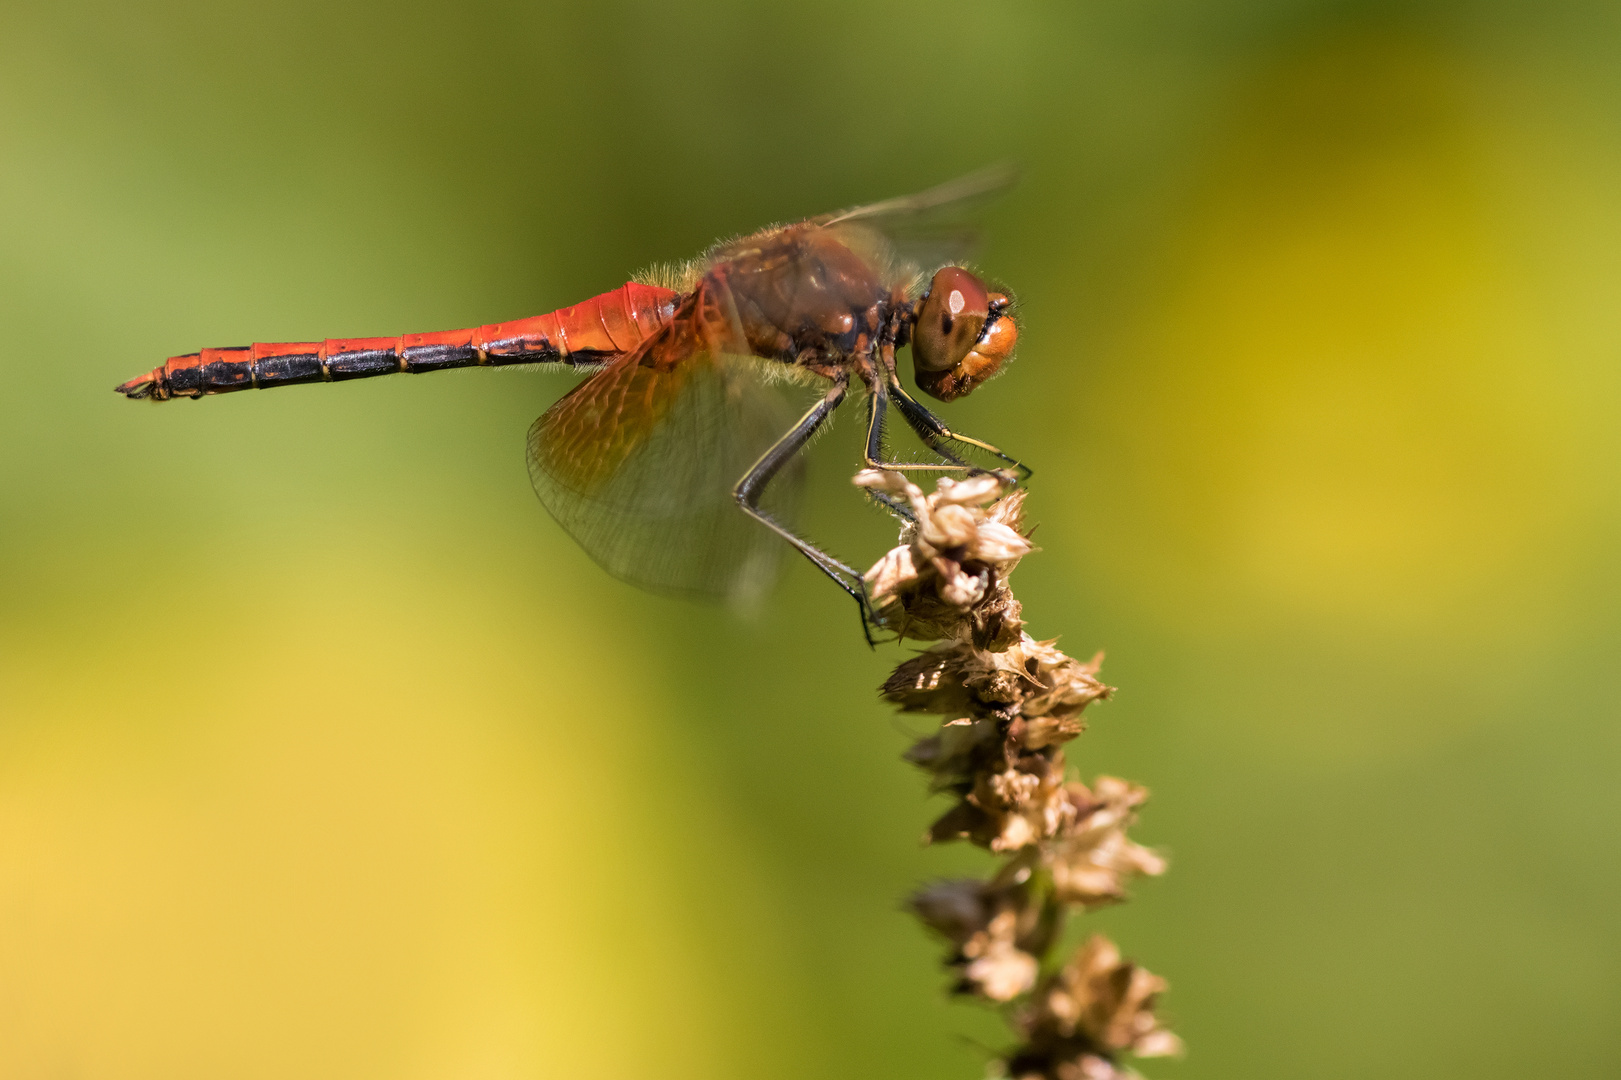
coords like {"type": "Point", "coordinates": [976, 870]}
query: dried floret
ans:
{"type": "Point", "coordinates": [1092, 859]}
{"type": "Point", "coordinates": [1096, 1006]}
{"type": "Point", "coordinates": [946, 579]}
{"type": "Point", "coordinates": [995, 932]}
{"type": "Point", "coordinates": [1008, 703]}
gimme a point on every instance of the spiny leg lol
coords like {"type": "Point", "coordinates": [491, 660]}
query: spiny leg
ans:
{"type": "Point", "coordinates": [875, 443]}
{"type": "Point", "coordinates": [932, 430]}
{"type": "Point", "coordinates": [895, 506]}
{"type": "Point", "coordinates": [750, 489]}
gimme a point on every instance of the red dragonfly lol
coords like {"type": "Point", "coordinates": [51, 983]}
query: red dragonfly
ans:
{"type": "Point", "coordinates": [649, 461]}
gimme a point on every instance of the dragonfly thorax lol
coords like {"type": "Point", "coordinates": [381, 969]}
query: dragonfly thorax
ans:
{"type": "Point", "coordinates": [802, 296]}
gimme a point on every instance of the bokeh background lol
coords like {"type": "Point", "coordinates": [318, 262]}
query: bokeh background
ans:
{"type": "Point", "coordinates": [323, 753]}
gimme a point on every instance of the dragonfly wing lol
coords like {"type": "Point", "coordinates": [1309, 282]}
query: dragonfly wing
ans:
{"type": "Point", "coordinates": [942, 199]}
{"type": "Point", "coordinates": [638, 463]}
{"type": "Point", "coordinates": [933, 228]}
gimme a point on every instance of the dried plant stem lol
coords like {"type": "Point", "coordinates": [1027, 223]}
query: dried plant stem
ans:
{"type": "Point", "coordinates": [1009, 703]}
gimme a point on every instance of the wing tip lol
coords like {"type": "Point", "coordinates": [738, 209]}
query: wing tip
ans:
{"type": "Point", "coordinates": [983, 183]}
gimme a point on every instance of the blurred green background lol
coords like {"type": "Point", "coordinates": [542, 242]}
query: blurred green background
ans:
{"type": "Point", "coordinates": [323, 753]}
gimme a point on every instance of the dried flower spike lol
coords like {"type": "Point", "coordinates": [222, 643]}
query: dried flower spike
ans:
{"type": "Point", "coordinates": [1008, 704]}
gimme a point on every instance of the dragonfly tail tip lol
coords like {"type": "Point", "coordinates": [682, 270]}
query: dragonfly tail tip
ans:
{"type": "Point", "coordinates": [136, 388]}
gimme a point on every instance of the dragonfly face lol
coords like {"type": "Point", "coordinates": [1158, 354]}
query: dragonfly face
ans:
{"type": "Point", "coordinates": [658, 464]}
{"type": "Point", "coordinates": [964, 334]}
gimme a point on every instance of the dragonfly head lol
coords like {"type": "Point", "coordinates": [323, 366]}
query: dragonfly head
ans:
{"type": "Point", "coordinates": [963, 335]}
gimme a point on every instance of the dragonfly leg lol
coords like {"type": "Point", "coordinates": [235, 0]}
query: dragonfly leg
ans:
{"type": "Point", "coordinates": [751, 488]}
{"type": "Point", "coordinates": [933, 431]}
{"type": "Point", "coordinates": [892, 504]}
{"type": "Point", "coordinates": [876, 404]}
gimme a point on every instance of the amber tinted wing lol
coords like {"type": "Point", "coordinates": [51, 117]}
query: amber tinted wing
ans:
{"type": "Point", "coordinates": [638, 463]}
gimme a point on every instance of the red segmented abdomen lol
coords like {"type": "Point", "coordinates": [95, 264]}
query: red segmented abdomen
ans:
{"type": "Point", "coordinates": [592, 332]}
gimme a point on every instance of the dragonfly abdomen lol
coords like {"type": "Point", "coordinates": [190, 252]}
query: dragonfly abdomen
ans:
{"type": "Point", "coordinates": [586, 334]}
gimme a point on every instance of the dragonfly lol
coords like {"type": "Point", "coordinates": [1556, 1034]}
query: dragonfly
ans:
{"type": "Point", "coordinates": [676, 463]}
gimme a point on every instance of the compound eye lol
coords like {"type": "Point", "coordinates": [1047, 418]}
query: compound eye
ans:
{"type": "Point", "coordinates": [953, 312]}
{"type": "Point", "coordinates": [992, 348]}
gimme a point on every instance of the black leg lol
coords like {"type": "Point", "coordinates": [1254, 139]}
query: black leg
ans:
{"type": "Point", "coordinates": [875, 442]}
{"type": "Point", "coordinates": [933, 431]}
{"type": "Point", "coordinates": [750, 489]}
{"type": "Point", "coordinates": [893, 505]}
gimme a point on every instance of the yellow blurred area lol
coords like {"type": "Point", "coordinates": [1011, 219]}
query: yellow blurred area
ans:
{"type": "Point", "coordinates": [227, 851]}
{"type": "Point", "coordinates": [324, 753]}
{"type": "Point", "coordinates": [1341, 409]}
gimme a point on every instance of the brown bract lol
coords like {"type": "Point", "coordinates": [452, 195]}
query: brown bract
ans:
{"type": "Point", "coordinates": [1008, 703]}
{"type": "Point", "coordinates": [1088, 1011]}
{"type": "Point", "coordinates": [948, 577]}
{"type": "Point", "coordinates": [995, 929]}
{"type": "Point", "coordinates": [1092, 859]}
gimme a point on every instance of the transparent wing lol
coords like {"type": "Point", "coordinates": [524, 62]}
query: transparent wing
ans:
{"type": "Point", "coordinates": [638, 463]}
{"type": "Point", "coordinates": [951, 196]}
{"type": "Point", "coordinates": [931, 229]}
